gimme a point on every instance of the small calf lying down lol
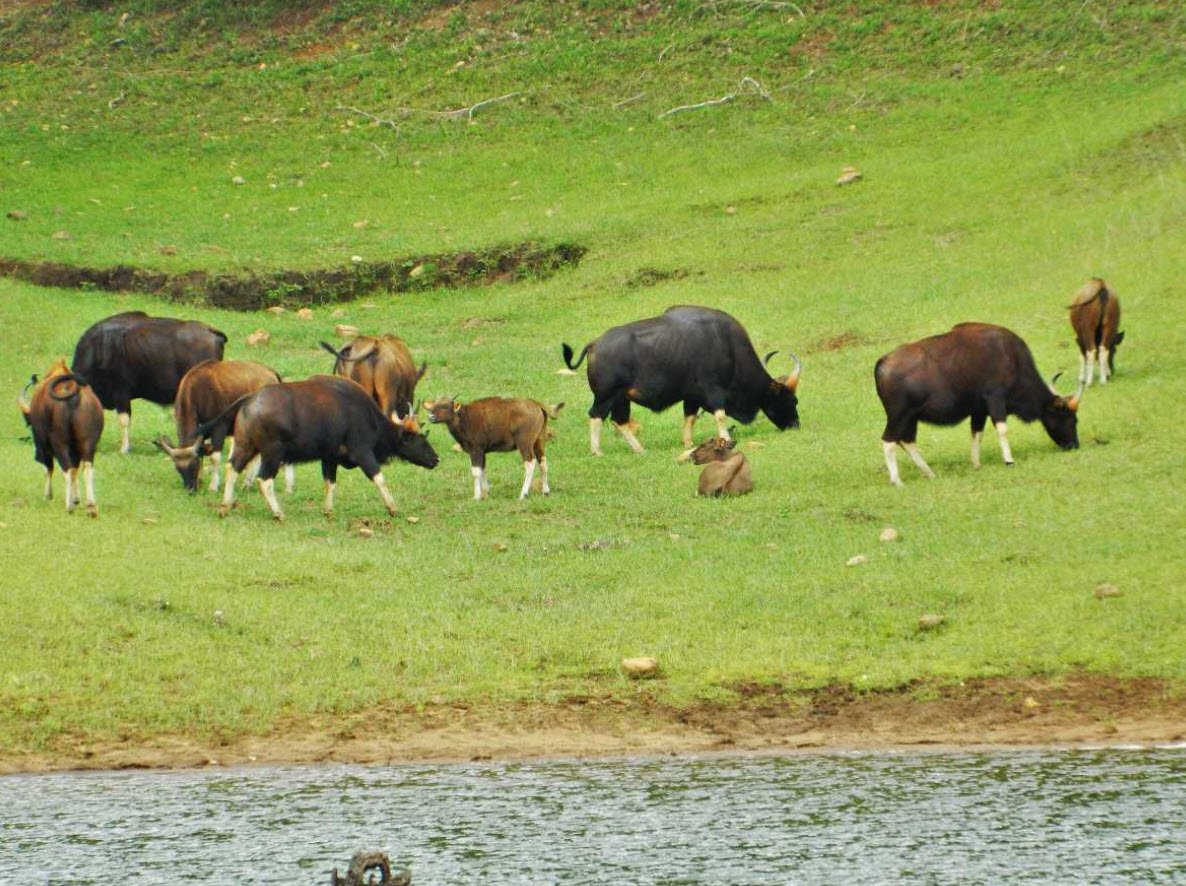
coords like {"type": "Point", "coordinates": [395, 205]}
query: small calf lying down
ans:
{"type": "Point", "coordinates": [66, 419]}
{"type": "Point", "coordinates": [497, 424]}
{"type": "Point", "coordinates": [725, 472]}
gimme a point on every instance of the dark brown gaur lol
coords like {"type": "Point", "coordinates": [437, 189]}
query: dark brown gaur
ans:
{"type": "Point", "coordinates": [384, 367]}
{"type": "Point", "coordinates": [205, 393]}
{"type": "Point", "coordinates": [1095, 317]}
{"type": "Point", "coordinates": [66, 419]}
{"type": "Point", "coordinates": [726, 472]}
{"type": "Point", "coordinates": [497, 424]}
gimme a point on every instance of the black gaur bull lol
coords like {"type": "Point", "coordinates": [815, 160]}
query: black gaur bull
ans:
{"type": "Point", "coordinates": [133, 356]}
{"type": "Point", "coordinates": [976, 370]}
{"type": "Point", "coordinates": [66, 419]}
{"type": "Point", "coordinates": [205, 393]}
{"type": "Point", "coordinates": [324, 418]}
{"type": "Point", "coordinates": [700, 356]}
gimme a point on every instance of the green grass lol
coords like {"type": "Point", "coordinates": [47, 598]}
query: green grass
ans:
{"type": "Point", "coordinates": [1058, 154]}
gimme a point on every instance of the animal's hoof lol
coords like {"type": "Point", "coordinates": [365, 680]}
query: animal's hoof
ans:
{"type": "Point", "coordinates": [1008, 464]}
{"type": "Point", "coordinates": [329, 515]}
{"type": "Point", "coordinates": [597, 453]}
{"type": "Point", "coordinates": [92, 511]}
{"type": "Point", "coordinates": [223, 511]}
{"type": "Point", "coordinates": [279, 518]}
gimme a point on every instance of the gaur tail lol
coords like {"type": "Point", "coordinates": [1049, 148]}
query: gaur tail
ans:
{"type": "Point", "coordinates": [220, 334]}
{"type": "Point", "coordinates": [202, 431]}
{"type": "Point", "coordinates": [568, 356]}
{"type": "Point", "coordinates": [78, 380]}
{"type": "Point", "coordinates": [420, 374]}
{"type": "Point", "coordinates": [552, 411]}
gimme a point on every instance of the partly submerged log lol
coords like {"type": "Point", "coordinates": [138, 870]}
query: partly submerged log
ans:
{"type": "Point", "coordinates": [370, 869]}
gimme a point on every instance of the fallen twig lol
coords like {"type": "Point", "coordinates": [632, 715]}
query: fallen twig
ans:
{"type": "Point", "coordinates": [628, 101]}
{"type": "Point", "coordinates": [746, 82]}
{"type": "Point", "coordinates": [380, 120]}
{"type": "Point", "coordinates": [759, 4]}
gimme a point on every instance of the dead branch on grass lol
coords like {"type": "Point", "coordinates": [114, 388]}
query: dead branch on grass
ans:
{"type": "Point", "coordinates": [746, 84]}
{"type": "Point", "coordinates": [380, 120]}
{"type": "Point", "coordinates": [757, 4]}
{"type": "Point", "coordinates": [628, 101]}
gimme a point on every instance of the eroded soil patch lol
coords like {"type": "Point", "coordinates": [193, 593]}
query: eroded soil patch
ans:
{"type": "Point", "coordinates": [251, 292]}
{"type": "Point", "coordinates": [1077, 710]}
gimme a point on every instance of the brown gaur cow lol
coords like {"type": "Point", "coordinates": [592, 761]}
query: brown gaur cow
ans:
{"type": "Point", "coordinates": [976, 370]}
{"type": "Point", "coordinates": [384, 367]}
{"type": "Point", "coordinates": [66, 419]}
{"type": "Point", "coordinates": [204, 393]}
{"type": "Point", "coordinates": [1095, 317]}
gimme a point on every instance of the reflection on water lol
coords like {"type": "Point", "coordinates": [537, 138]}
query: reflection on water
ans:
{"type": "Point", "coordinates": [1006, 817]}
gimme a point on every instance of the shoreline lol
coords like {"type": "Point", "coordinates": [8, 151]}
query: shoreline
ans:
{"type": "Point", "coordinates": [1081, 711]}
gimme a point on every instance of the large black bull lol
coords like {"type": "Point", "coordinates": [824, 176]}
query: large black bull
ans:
{"type": "Point", "coordinates": [698, 356]}
{"type": "Point", "coordinates": [324, 418]}
{"type": "Point", "coordinates": [132, 356]}
{"type": "Point", "coordinates": [976, 370]}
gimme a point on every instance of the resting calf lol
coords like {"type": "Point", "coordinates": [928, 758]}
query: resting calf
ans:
{"type": "Point", "coordinates": [725, 473]}
{"type": "Point", "coordinates": [66, 419]}
{"type": "Point", "coordinates": [497, 424]}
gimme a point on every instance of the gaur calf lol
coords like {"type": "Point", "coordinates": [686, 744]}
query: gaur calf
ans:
{"type": "Point", "coordinates": [725, 472]}
{"type": "Point", "coordinates": [497, 424]}
{"type": "Point", "coordinates": [1095, 317]}
{"type": "Point", "coordinates": [66, 418]}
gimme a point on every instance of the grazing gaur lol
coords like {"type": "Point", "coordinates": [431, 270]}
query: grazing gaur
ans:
{"type": "Point", "coordinates": [324, 418]}
{"type": "Point", "coordinates": [976, 370]}
{"type": "Point", "coordinates": [700, 356]}
{"type": "Point", "coordinates": [497, 424]}
{"type": "Point", "coordinates": [133, 356]}
{"type": "Point", "coordinates": [725, 472]}
{"type": "Point", "coordinates": [384, 367]}
{"type": "Point", "coordinates": [66, 419]}
{"type": "Point", "coordinates": [1095, 317]}
{"type": "Point", "coordinates": [203, 395]}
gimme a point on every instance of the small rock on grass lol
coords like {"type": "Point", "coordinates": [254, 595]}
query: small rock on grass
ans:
{"type": "Point", "coordinates": [305, 314]}
{"type": "Point", "coordinates": [346, 330]}
{"type": "Point", "coordinates": [848, 175]}
{"type": "Point", "coordinates": [888, 534]}
{"type": "Point", "coordinates": [275, 309]}
{"type": "Point", "coordinates": [259, 337]}
{"type": "Point", "coordinates": [1106, 590]}
{"type": "Point", "coordinates": [641, 667]}
{"type": "Point", "coordinates": [17, 215]}
{"type": "Point", "coordinates": [366, 532]}
{"type": "Point", "coordinates": [930, 621]}
{"type": "Point", "coordinates": [62, 235]}
{"type": "Point", "coordinates": [857, 560]}
{"type": "Point", "coordinates": [413, 520]}
{"type": "Point", "coordinates": [500, 548]}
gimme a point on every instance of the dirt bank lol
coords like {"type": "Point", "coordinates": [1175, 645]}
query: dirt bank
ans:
{"type": "Point", "coordinates": [1075, 711]}
{"type": "Point", "coordinates": [252, 292]}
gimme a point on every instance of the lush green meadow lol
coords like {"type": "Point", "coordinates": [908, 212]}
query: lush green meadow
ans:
{"type": "Point", "coordinates": [1057, 151]}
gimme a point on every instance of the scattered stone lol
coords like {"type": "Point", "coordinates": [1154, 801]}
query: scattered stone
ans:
{"type": "Point", "coordinates": [238, 180]}
{"type": "Point", "coordinates": [17, 215]}
{"type": "Point", "coordinates": [150, 521]}
{"type": "Point", "coordinates": [345, 330]}
{"type": "Point", "coordinates": [304, 314]}
{"type": "Point", "coordinates": [1031, 703]}
{"type": "Point", "coordinates": [413, 520]}
{"type": "Point", "coordinates": [500, 547]}
{"type": "Point", "coordinates": [1106, 590]}
{"type": "Point", "coordinates": [930, 621]}
{"type": "Point", "coordinates": [357, 259]}
{"type": "Point", "coordinates": [566, 371]}
{"type": "Point", "coordinates": [218, 619]}
{"type": "Point", "coordinates": [362, 223]}
{"type": "Point", "coordinates": [857, 560]}
{"type": "Point", "coordinates": [640, 668]}
{"type": "Point", "coordinates": [275, 309]}
{"type": "Point", "coordinates": [338, 312]}
{"type": "Point", "coordinates": [416, 272]}
{"type": "Point", "coordinates": [888, 534]}
{"type": "Point", "coordinates": [730, 210]}
{"type": "Point", "coordinates": [62, 235]}
{"type": "Point", "coordinates": [848, 175]}
{"type": "Point", "coordinates": [259, 337]}
{"type": "Point", "coordinates": [957, 70]}
{"type": "Point", "coordinates": [168, 250]}
{"type": "Point", "coordinates": [366, 532]}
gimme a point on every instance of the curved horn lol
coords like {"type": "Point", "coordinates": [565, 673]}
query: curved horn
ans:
{"type": "Point", "coordinates": [766, 361]}
{"type": "Point", "coordinates": [1074, 399]}
{"type": "Point", "coordinates": [23, 399]}
{"type": "Point", "coordinates": [1050, 384]}
{"type": "Point", "coordinates": [792, 381]}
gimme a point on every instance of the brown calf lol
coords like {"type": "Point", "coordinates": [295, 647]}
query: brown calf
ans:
{"type": "Point", "coordinates": [725, 473]}
{"type": "Point", "coordinates": [1095, 317]}
{"type": "Point", "coordinates": [497, 424]}
{"type": "Point", "coordinates": [384, 367]}
{"type": "Point", "coordinates": [66, 418]}
{"type": "Point", "coordinates": [205, 393]}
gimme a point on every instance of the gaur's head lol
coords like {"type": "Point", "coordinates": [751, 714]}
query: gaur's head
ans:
{"type": "Point", "coordinates": [411, 445]}
{"type": "Point", "coordinates": [187, 460]}
{"type": "Point", "coordinates": [780, 402]}
{"type": "Point", "coordinates": [712, 449]}
{"type": "Point", "coordinates": [441, 411]}
{"type": "Point", "coordinates": [1060, 418]}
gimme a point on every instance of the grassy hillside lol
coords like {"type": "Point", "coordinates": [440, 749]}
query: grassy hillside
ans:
{"type": "Point", "coordinates": [1007, 154]}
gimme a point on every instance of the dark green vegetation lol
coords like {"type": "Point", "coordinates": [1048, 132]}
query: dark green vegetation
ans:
{"type": "Point", "coordinates": [1007, 153]}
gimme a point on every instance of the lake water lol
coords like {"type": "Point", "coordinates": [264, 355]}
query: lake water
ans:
{"type": "Point", "coordinates": [1098, 816]}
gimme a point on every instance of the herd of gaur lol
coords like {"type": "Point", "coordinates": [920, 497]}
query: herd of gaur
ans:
{"type": "Point", "coordinates": [365, 414]}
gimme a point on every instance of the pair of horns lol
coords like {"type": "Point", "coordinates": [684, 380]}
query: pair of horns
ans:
{"type": "Point", "coordinates": [166, 445]}
{"type": "Point", "coordinates": [1072, 401]}
{"type": "Point", "coordinates": [791, 382]}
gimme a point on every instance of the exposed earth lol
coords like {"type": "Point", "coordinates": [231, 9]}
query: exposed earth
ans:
{"type": "Point", "coordinates": [1078, 710]}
